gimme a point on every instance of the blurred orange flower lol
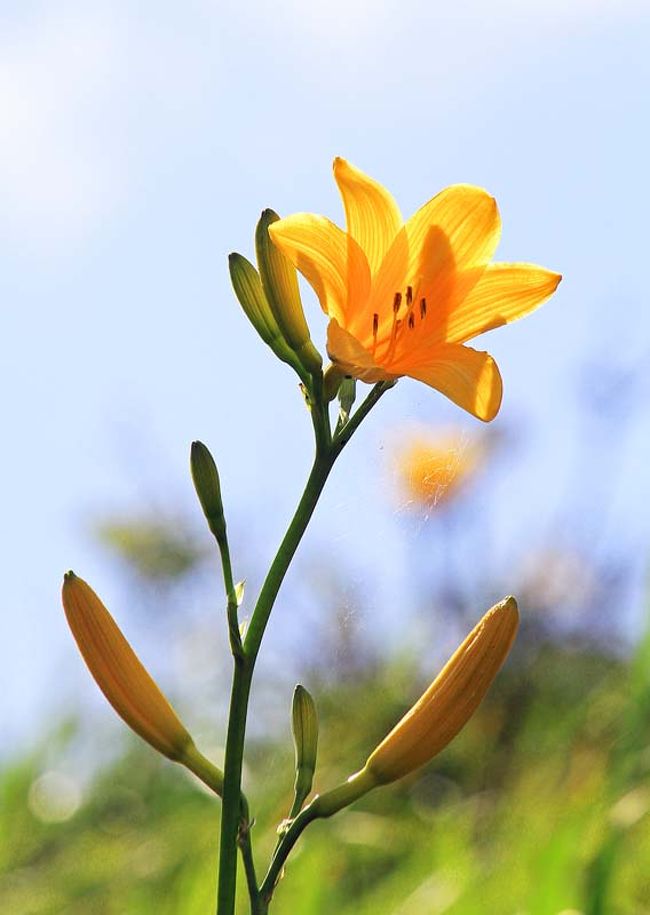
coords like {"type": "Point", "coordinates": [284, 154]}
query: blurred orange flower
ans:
{"type": "Point", "coordinates": [433, 468]}
{"type": "Point", "coordinates": [403, 298]}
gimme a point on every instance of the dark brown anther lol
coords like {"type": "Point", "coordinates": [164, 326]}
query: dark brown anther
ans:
{"type": "Point", "coordinates": [397, 301]}
{"type": "Point", "coordinates": [411, 321]}
{"type": "Point", "coordinates": [423, 308]}
{"type": "Point", "coordinates": [409, 295]}
{"type": "Point", "coordinates": [375, 324]}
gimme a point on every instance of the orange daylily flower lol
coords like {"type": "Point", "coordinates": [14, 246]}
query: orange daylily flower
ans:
{"type": "Point", "coordinates": [404, 297]}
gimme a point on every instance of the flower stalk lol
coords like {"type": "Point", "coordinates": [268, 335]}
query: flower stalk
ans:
{"type": "Point", "coordinates": [327, 451]}
{"type": "Point", "coordinates": [403, 298]}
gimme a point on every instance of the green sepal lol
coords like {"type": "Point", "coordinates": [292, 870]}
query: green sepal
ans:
{"type": "Point", "coordinates": [280, 283]}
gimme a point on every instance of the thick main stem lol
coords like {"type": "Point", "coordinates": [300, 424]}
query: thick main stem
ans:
{"type": "Point", "coordinates": [242, 677]}
{"type": "Point", "coordinates": [231, 808]}
{"type": "Point", "coordinates": [317, 478]}
{"type": "Point", "coordinates": [327, 450]}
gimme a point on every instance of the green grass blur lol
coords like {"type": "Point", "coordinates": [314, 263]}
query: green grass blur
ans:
{"type": "Point", "coordinates": [540, 807]}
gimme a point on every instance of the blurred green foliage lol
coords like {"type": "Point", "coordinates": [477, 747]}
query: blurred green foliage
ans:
{"type": "Point", "coordinates": [539, 807]}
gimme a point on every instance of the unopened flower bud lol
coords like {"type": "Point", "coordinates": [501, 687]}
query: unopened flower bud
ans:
{"type": "Point", "coordinates": [248, 288]}
{"type": "Point", "coordinates": [439, 714]}
{"type": "Point", "coordinates": [451, 700]}
{"type": "Point", "coordinates": [280, 284]}
{"type": "Point", "coordinates": [208, 488]}
{"type": "Point", "coordinates": [304, 726]}
{"type": "Point", "coordinates": [126, 684]}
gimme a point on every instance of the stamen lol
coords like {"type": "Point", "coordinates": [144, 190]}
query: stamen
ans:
{"type": "Point", "coordinates": [423, 308]}
{"type": "Point", "coordinates": [397, 301]}
{"type": "Point", "coordinates": [409, 295]}
{"type": "Point", "coordinates": [375, 324]}
{"type": "Point", "coordinates": [411, 321]}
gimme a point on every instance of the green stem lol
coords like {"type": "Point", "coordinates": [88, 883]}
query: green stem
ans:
{"type": "Point", "coordinates": [244, 843]}
{"type": "Point", "coordinates": [242, 676]}
{"type": "Point", "coordinates": [196, 762]}
{"type": "Point", "coordinates": [231, 596]}
{"type": "Point", "coordinates": [231, 820]}
{"type": "Point", "coordinates": [281, 853]}
{"type": "Point", "coordinates": [315, 483]}
{"type": "Point", "coordinates": [327, 450]}
{"type": "Point", "coordinates": [323, 806]}
{"type": "Point", "coordinates": [344, 434]}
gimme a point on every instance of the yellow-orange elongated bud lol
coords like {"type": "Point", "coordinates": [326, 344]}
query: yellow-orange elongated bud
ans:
{"type": "Point", "coordinates": [438, 715]}
{"type": "Point", "coordinates": [120, 675]}
{"type": "Point", "coordinates": [451, 700]}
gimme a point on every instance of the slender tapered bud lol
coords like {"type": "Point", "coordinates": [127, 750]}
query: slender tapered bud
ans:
{"type": "Point", "coordinates": [208, 488]}
{"type": "Point", "coordinates": [347, 396]}
{"type": "Point", "coordinates": [126, 684]}
{"type": "Point", "coordinates": [451, 700]}
{"type": "Point", "coordinates": [304, 726]}
{"type": "Point", "coordinates": [332, 380]}
{"type": "Point", "coordinates": [280, 284]}
{"type": "Point", "coordinates": [248, 288]}
{"type": "Point", "coordinates": [439, 714]}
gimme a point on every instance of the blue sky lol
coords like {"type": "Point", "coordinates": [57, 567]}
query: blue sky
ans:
{"type": "Point", "coordinates": [137, 148]}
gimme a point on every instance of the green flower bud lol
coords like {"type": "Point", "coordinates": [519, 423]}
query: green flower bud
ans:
{"type": "Point", "coordinates": [347, 396]}
{"type": "Point", "coordinates": [304, 726]}
{"type": "Point", "coordinates": [248, 288]}
{"type": "Point", "coordinates": [208, 488]}
{"type": "Point", "coordinates": [280, 284]}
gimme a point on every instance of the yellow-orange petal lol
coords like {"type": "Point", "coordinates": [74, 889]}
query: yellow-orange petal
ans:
{"type": "Point", "coordinates": [468, 377]}
{"type": "Point", "coordinates": [329, 259]}
{"type": "Point", "coordinates": [372, 215]}
{"type": "Point", "coordinates": [469, 219]}
{"type": "Point", "coordinates": [119, 673]}
{"type": "Point", "coordinates": [351, 358]}
{"type": "Point", "coordinates": [504, 293]}
{"type": "Point", "coordinates": [389, 279]}
{"type": "Point", "coordinates": [451, 700]}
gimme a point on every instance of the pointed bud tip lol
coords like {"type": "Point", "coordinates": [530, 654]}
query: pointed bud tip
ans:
{"type": "Point", "coordinates": [69, 575]}
{"type": "Point", "coordinates": [269, 215]}
{"type": "Point", "coordinates": [510, 605]}
{"type": "Point", "coordinates": [507, 612]}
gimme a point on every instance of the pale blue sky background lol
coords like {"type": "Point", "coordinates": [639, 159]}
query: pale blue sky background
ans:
{"type": "Point", "coordinates": [138, 143]}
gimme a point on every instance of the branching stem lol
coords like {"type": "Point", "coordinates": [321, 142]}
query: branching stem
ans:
{"type": "Point", "coordinates": [233, 825]}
